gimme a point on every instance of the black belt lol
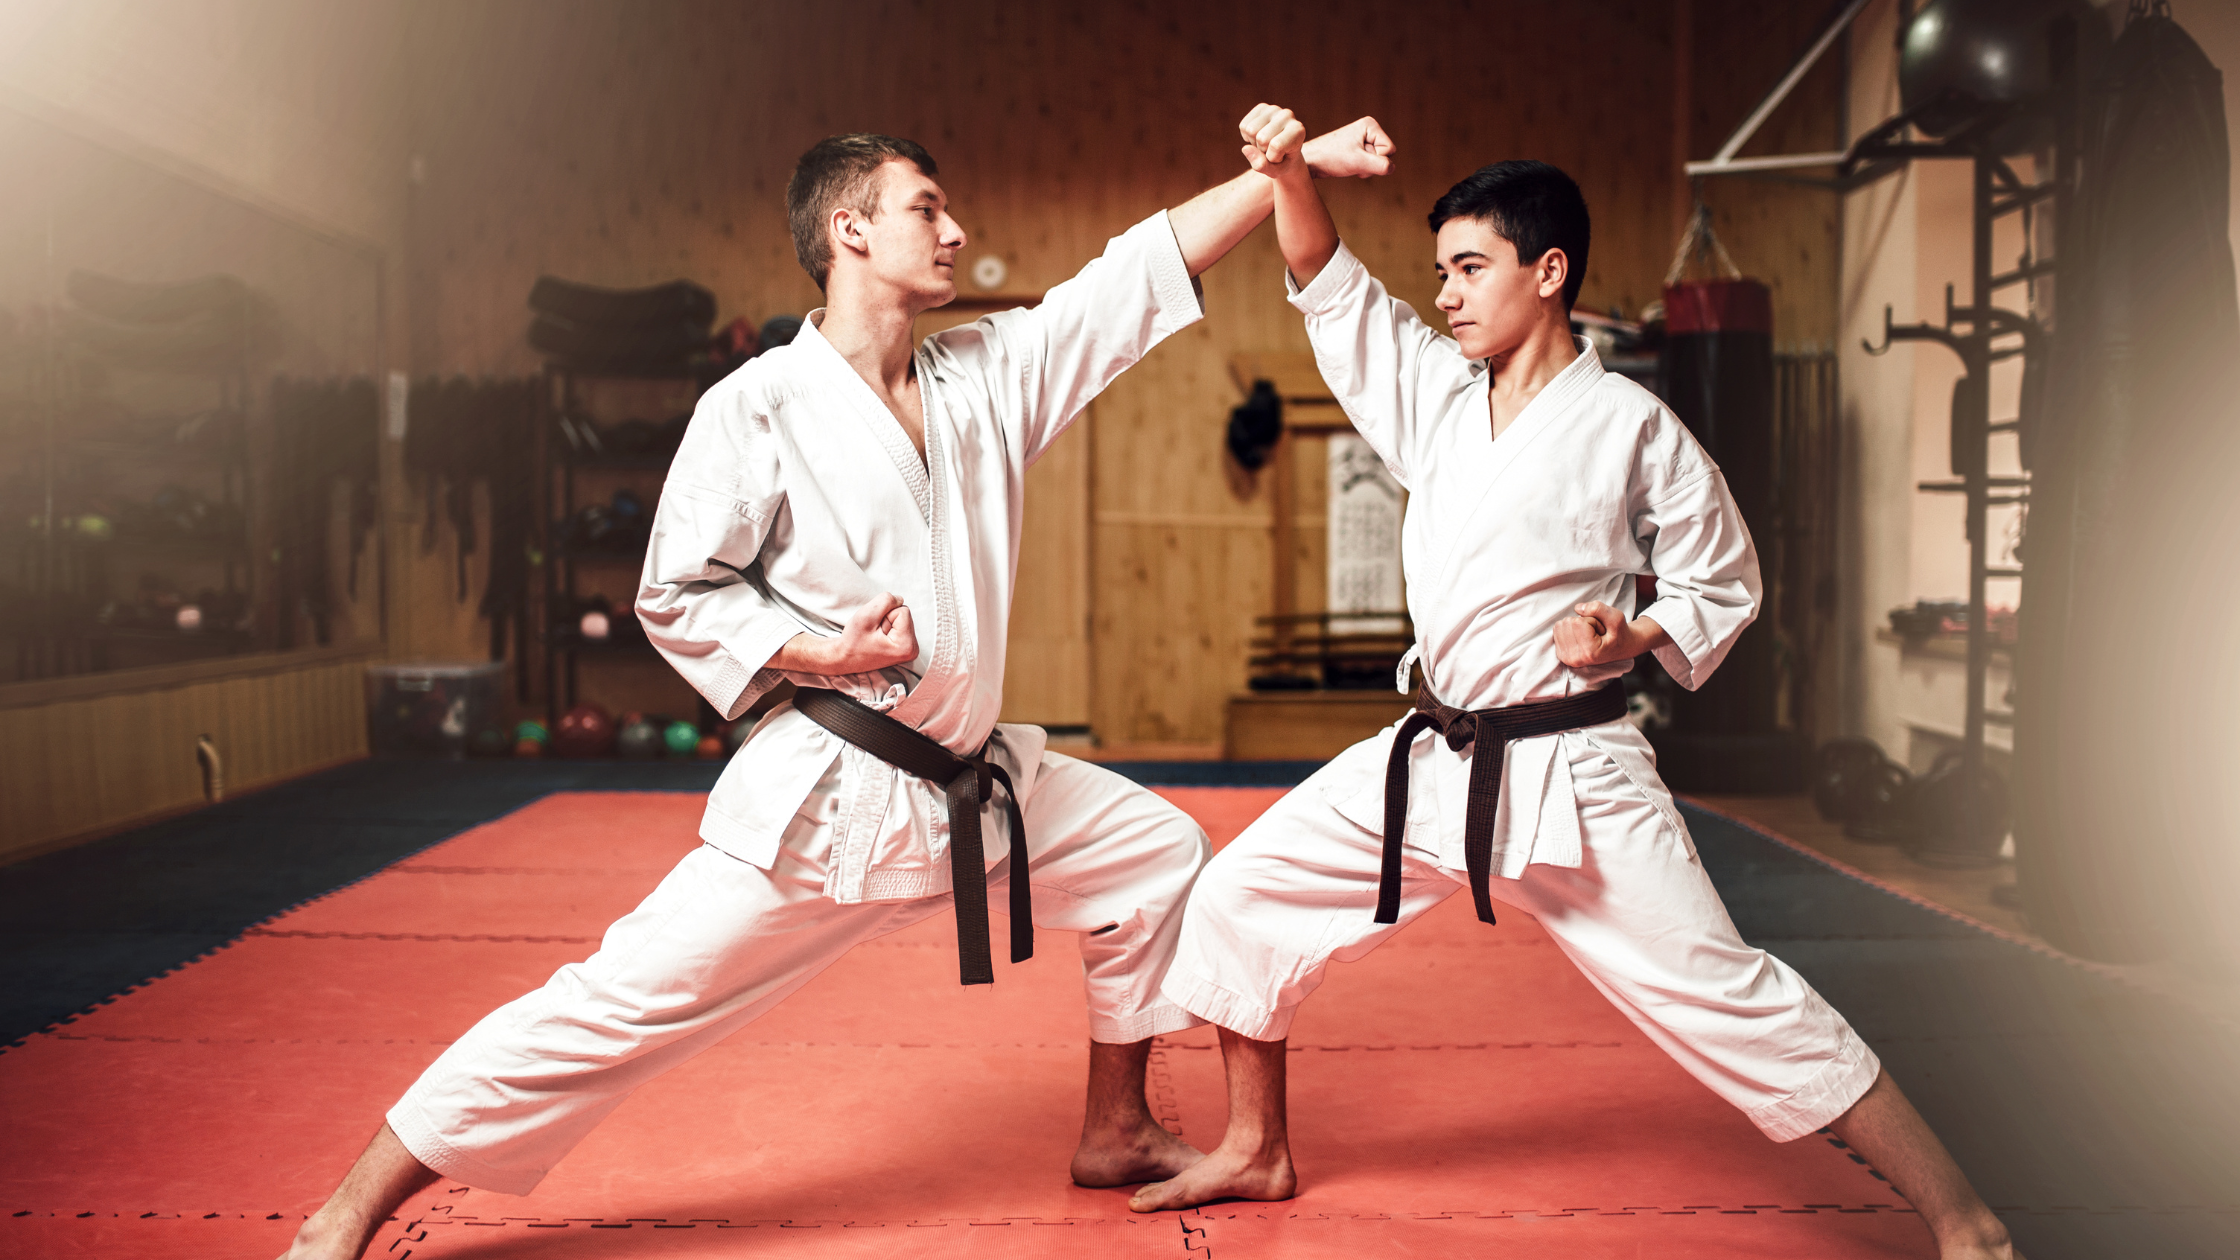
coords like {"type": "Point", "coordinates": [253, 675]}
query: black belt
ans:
{"type": "Point", "coordinates": [1491, 729]}
{"type": "Point", "coordinates": [969, 782]}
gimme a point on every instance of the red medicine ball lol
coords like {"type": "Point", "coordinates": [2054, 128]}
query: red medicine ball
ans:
{"type": "Point", "coordinates": [584, 731]}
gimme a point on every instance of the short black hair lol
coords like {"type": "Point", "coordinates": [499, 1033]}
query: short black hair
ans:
{"type": "Point", "coordinates": [1531, 205]}
{"type": "Point", "coordinates": [835, 172]}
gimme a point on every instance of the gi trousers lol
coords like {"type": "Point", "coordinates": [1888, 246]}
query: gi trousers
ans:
{"type": "Point", "coordinates": [720, 942]}
{"type": "Point", "coordinates": [1639, 917]}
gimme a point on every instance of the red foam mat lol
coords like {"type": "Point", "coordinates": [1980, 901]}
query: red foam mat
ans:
{"type": "Point", "coordinates": [1702, 1235]}
{"type": "Point", "coordinates": [437, 1235]}
{"type": "Point", "coordinates": [1461, 1091]}
{"type": "Point", "coordinates": [112, 1236]}
{"type": "Point", "coordinates": [147, 1126]}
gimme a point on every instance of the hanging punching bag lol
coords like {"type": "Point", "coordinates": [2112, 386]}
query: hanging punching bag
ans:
{"type": "Point", "coordinates": [2123, 835]}
{"type": "Point", "coordinates": [1717, 376]}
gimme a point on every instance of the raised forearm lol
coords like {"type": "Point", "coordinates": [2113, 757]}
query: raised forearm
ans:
{"type": "Point", "coordinates": [1210, 224]}
{"type": "Point", "coordinates": [1304, 230]}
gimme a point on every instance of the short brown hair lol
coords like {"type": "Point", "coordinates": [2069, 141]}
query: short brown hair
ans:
{"type": "Point", "coordinates": [840, 171]}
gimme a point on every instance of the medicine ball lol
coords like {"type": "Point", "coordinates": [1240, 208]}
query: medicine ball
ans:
{"type": "Point", "coordinates": [638, 741]}
{"type": "Point", "coordinates": [681, 738]}
{"type": "Point", "coordinates": [1962, 58]}
{"type": "Point", "coordinates": [584, 731]}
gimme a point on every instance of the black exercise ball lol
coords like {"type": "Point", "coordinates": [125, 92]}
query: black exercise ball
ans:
{"type": "Point", "coordinates": [1961, 58]}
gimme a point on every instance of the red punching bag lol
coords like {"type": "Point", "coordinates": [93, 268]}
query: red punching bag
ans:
{"type": "Point", "coordinates": [1716, 373]}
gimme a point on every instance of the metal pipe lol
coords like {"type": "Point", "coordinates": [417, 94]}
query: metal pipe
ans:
{"type": "Point", "coordinates": [1784, 162]}
{"type": "Point", "coordinates": [1788, 83]}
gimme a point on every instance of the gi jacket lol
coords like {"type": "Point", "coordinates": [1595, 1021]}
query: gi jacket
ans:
{"type": "Point", "coordinates": [1594, 482]}
{"type": "Point", "coordinates": [797, 497]}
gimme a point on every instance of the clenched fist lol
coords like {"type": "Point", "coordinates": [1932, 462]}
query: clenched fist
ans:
{"type": "Point", "coordinates": [1272, 137]}
{"type": "Point", "coordinates": [1597, 634]}
{"type": "Point", "coordinates": [1358, 150]}
{"type": "Point", "coordinates": [878, 635]}
{"type": "Point", "coordinates": [1272, 134]}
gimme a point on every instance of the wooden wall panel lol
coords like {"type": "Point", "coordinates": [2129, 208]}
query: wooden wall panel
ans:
{"type": "Point", "coordinates": [83, 765]}
{"type": "Point", "coordinates": [1778, 229]}
{"type": "Point", "coordinates": [627, 144]}
{"type": "Point", "coordinates": [1046, 677]}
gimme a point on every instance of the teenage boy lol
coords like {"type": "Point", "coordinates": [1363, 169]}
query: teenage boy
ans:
{"type": "Point", "coordinates": [844, 513]}
{"type": "Point", "coordinates": [1539, 487]}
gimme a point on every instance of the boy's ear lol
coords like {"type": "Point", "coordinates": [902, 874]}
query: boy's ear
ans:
{"type": "Point", "coordinates": [1552, 270]}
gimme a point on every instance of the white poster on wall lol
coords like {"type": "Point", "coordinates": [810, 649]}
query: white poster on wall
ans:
{"type": "Point", "coordinates": [1364, 539]}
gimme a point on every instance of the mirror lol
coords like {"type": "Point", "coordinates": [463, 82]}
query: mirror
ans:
{"type": "Point", "coordinates": [189, 419]}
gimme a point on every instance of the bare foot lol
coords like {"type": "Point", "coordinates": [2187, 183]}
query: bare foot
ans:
{"type": "Point", "coordinates": [1225, 1174]}
{"type": "Point", "coordinates": [377, 1185]}
{"type": "Point", "coordinates": [1142, 1152]}
{"type": "Point", "coordinates": [319, 1239]}
{"type": "Point", "coordinates": [1992, 1244]}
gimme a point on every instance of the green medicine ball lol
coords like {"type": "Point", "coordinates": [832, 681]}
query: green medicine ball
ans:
{"type": "Point", "coordinates": [532, 730]}
{"type": "Point", "coordinates": [682, 738]}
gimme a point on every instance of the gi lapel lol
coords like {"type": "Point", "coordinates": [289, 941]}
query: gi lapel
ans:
{"type": "Point", "coordinates": [1538, 417]}
{"type": "Point", "coordinates": [877, 421]}
{"type": "Point", "coordinates": [943, 515]}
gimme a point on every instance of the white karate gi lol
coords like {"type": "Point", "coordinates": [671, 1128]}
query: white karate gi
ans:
{"type": "Point", "coordinates": [1593, 483]}
{"type": "Point", "coordinates": [795, 498]}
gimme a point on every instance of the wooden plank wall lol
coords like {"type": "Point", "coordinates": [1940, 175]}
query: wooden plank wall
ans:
{"type": "Point", "coordinates": [1780, 230]}
{"type": "Point", "coordinates": [74, 766]}
{"type": "Point", "coordinates": [627, 144]}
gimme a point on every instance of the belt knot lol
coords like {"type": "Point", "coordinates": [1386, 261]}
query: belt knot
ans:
{"type": "Point", "coordinates": [1459, 727]}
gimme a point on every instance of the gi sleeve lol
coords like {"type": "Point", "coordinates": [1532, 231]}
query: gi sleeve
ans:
{"type": "Point", "coordinates": [1086, 331]}
{"type": "Point", "coordinates": [1707, 574]}
{"type": "Point", "coordinates": [695, 599]}
{"type": "Point", "coordinates": [1375, 354]}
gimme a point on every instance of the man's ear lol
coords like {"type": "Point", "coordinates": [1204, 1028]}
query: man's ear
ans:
{"type": "Point", "coordinates": [1551, 271]}
{"type": "Point", "coordinates": [848, 231]}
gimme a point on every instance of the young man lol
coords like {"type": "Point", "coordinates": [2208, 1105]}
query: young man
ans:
{"type": "Point", "coordinates": [844, 513]}
{"type": "Point", "coordinates": [1540, 486]}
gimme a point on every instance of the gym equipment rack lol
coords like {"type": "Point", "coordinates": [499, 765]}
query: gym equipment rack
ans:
{"type": "Point", "coordinates": [1992, 334]}
{"type": "Point", "coordinates": [560, 393]}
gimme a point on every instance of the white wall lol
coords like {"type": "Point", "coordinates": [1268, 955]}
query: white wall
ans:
{"type": "Point", "coordinates": [1881, 227]}
{"type": "Point", "coordinates": [289, 103]}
